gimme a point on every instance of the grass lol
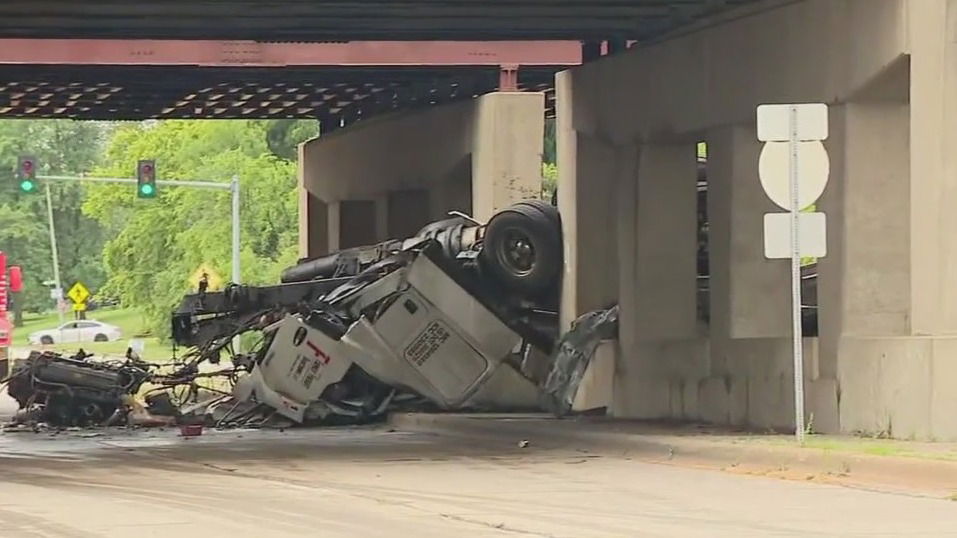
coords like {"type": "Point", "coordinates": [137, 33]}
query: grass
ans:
{"type": "Point", "coordinates": [128, 320]}
{"type": "Point", "coordinates": [881, 447]}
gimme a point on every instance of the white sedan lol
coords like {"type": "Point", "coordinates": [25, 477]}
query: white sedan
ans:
{"type": "Point", "coordinates": [77, 331]}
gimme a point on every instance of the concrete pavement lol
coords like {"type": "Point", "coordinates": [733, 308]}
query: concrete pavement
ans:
{"type": "Point", "coordinates": [381, 482]}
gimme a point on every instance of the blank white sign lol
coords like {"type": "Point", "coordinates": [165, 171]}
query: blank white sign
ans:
{"type": "Point", "coordinates": [812, 236]}
{"type": "Point", "coordinates": [774, 122]}
{"type": "Point", "coordinates": [774, 171]}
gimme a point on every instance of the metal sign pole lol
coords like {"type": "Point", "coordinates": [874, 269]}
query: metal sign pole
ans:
{"type": "Point", "coordinates": [234, 187]}
{"type": "Point", "coordinates": [796, 280]}
{"type": "Point", "coordinates": [56, 256]}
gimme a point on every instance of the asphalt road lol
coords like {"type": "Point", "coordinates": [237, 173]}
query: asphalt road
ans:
{"type": "Point", "coordinates": [376, 482]}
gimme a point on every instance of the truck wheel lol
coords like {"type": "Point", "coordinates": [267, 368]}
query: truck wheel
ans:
{"type": "Point", "coordinates": [101, 338]}
{"type": "Point", "coordinates": [548, 209]}
{"type": "Point", "coordinates": [46, 340]}
{"type": "Point", "coordinates": [523, 247]}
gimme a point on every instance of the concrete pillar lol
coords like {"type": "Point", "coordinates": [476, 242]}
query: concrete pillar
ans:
{"type": "Point", "coordinates": [313, 218]}
{"type": "Point", "coordinates": [896, 347]}
{"type": "Point", "coordinates": [868, 213]}
{"type": "Point", "coordinates": [381, 217]}
{"type": "Point", "coordinates": [933, 165]}
{"type": "Point", "coordinates": [665, 269]}
{"type": "Point", "coordinates": [352, 223]}
{"type": "Point", "coordinates": [507, 150]}
{"type": "Point", "coordinates": [453, 192]}
{"type": "Point", "coordinates": [750, 295]}
{"type": "Point", "coordinates": [588, 202]}
{"type": "Point", "coordinates": [656, 202]}
{"type": "Point", "coordinates": [408, 212]}
{"type": "Point", "coordinates": [313, 238]}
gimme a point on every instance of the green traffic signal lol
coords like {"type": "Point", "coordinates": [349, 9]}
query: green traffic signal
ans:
{"type": "Point", "coordinates": [146, 179]}
{"type": "Point", "coordinates": [27, 173]}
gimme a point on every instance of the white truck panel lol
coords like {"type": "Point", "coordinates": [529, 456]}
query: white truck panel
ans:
{"type": "Point", "coordinates": [300, 364]}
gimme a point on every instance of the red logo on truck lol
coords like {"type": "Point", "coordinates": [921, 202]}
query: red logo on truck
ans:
{"type": "Point", "coordinates": [323, 357]}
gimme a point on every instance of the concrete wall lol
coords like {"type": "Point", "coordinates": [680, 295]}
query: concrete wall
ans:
{"type": "Point", "coordinates": [476, 156]}
{"type": "Point", "coordinates": [885, 360]}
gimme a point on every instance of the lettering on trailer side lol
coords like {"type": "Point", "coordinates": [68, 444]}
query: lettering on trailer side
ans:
{"type": "Point", "coordinates": [421, 349]}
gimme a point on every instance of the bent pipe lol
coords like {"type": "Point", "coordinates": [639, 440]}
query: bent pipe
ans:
{"type": "Point", "coordinates": [323, 267]}
{"type": "Point", "coordinates": [448, 232]}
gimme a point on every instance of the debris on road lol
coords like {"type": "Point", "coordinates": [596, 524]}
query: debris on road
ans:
{"type": "Point", "coordinates": [72, 391]}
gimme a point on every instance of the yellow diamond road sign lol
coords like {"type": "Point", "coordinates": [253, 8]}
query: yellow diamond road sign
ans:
{"type": "Point", "coordinates": [78, 293]}
{"type": "Point", "coordinates": [213, 280]}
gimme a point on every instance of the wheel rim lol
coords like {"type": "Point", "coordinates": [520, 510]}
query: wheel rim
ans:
{"type": "Point", "coordinates": [517, 252]}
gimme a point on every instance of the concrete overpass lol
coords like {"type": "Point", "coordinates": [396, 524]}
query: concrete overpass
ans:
{"type": "Point", "coordinates": [886, 359]}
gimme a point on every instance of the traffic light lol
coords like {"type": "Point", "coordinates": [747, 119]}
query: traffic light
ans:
{"type": "Point", "coordinates": [27, 174]}
{"type": "Point", "coordinates": [146, 179]}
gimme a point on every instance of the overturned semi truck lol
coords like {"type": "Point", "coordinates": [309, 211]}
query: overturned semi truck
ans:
{"type": "Point", "coordinates": [461, 316]}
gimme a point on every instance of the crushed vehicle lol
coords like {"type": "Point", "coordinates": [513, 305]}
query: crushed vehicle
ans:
{"type": "Point", "coordinates": [464, 315]}
{"type": "Point", "coordinates": [461, 316]}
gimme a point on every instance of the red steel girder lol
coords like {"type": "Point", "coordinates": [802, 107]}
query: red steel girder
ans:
{"type": "Point", "coordinates": [145, 52]}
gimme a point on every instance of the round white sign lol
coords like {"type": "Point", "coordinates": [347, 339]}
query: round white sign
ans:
{"type": "Point", "coordinates": [774, 168]}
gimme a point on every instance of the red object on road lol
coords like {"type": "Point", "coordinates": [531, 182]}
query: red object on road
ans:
{"type": "Point", "coordinates": [191, 430]}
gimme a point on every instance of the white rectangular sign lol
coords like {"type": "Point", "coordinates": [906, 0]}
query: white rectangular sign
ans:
{"type": "Point", "coordinates": [774, 122]}
{"type": "Point", "coordinates": [777, 235]}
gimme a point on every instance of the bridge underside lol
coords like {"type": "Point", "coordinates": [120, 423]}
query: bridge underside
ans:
{"type": "Point", "coordinates": [330, 94]}
{"type": "Point", "coordinates": [300, 20]}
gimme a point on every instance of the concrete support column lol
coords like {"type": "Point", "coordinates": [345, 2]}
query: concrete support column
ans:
{"type": "Point", "coordinates": [656, 202]}
{"type": "Point", "coordinates": [381, 217]}
{"type": "Point", "coordinates": [507, 151]}
{"type": "Point", "coordinates": [313, 218]}
{"type": "Point", "coordinates": [750, 295]}
{"type": "Point", "coordinates": [587, 200]}
{"type": "Point", "coordinates": [313, 238]}
{"type": "Point", "coordinates": [452, 192]}
{"type": "Point", "coordinates": [868, 207]}
{"type": "Point", "coordinates": [408, 212]}
{"type": "Point", "coordinates": [933, 166]}
{"type": "Point", "coordinates": [665, 269]}
{"type": "Point", "coordinates": [352, 223]}
{"type": "Point", "coordinates": [897, 349]}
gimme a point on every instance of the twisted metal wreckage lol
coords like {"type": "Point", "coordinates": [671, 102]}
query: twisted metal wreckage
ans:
{"type": "Point", "coordinates": [461, 316]}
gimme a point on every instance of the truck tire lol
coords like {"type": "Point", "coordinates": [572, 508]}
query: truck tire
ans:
{"type": "Point", "coordinates": [550, 211]}
{"type": "Point", "coordinates": [523, 247]}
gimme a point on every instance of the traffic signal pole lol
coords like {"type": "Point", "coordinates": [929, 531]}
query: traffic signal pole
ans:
{"type": "Point", "coordinates": [232, 187]}
{"type": "Point", "coordinates": [56, 256]}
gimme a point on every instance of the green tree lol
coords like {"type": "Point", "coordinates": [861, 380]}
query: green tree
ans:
{"type": "Point", "coordinates": [61, 147]}
{"type": "Point", "coordinates": [157, 244]}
